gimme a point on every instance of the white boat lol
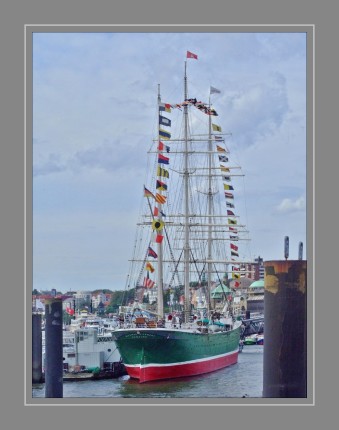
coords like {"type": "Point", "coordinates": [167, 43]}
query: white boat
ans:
{"type": "Point", "coordinates": [87, 348]}
{"type": "Point", "coordinates": [76, 323]}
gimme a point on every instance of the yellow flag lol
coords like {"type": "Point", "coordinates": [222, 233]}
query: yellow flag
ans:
{"type": "Point", "coordinates": [149, 267]}
{"type": "Point", "coordinates": [216, 127]}
{"type": "Point", "coordinates": [157, 224]}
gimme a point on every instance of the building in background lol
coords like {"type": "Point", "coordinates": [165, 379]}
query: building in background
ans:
{"type": "Point", "coordinates": [255, 297]}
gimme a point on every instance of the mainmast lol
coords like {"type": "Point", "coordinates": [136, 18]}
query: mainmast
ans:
{"type": "Point", "coordinates": [210, 211]}
{"type": "Point", "coordinates": [186, 208]}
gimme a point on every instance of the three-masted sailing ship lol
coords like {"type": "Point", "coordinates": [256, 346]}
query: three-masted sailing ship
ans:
{"type": "Point", "coordinates": [192, 238]}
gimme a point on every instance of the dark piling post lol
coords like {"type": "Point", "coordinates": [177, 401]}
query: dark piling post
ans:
{"type": "Point", "coordinates": [53, 346]}
{"type": "Point", "coordinates": [285, 349]}
{"type": "Point", "coordinates": [36, 349]}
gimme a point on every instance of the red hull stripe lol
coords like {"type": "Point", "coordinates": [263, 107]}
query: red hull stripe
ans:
{"type": "Point", "coordinates": [168, 371]}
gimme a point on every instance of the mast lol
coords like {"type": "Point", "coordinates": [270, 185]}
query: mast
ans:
{"type": "Point", "coordinates": [186, 208]}
{"type": "Point", "coordinates": [160, 277]}
{"type": "Point", "coordinates": [210, 210]}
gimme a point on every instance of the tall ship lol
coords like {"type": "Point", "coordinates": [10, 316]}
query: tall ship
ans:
{"type": "Point", "coordinates": [187, 244]}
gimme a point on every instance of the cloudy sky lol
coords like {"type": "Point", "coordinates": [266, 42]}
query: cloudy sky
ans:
{"type": "Point", "coordinates": [94, 116]}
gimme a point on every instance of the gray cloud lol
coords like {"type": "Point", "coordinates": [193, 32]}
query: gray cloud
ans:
{"type": "Point", "coordinates": [95, 117]}
{"type": "Point", "coordinates": [257, 111]}
{"type": "Point", "coordinates": [289, 205]}
{"type": "Point", "coordinates": [52, 165]}
{"type": "Point", "coordinates": [109, 156]}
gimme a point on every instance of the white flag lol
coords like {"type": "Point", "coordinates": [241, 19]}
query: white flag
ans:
{"type": "Point", "coordinates": [214, 90]}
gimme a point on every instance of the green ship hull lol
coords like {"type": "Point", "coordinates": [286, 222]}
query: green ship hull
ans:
{"type": "Point", "coordinates": [152, 354]}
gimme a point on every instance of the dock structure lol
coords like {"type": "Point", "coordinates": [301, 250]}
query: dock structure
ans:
{"type": "Point", "coordinates": [37, 375]}
{"type": "Point", "coordinates": [53, 347]}
{"type": "Point", "coordinates": [252, 326]}
{"type": "Point", "coordinates": [285, 352]}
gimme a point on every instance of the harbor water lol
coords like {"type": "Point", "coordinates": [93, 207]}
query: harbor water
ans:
{"type": "Point", "coordinates": [243, 379]}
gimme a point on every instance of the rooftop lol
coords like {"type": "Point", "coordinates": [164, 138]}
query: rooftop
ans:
{"type": "Point", "coordinates": [257, 284]}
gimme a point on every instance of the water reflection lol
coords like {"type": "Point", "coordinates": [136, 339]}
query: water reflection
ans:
{"type": "Point", "coordinates": [244, 379]}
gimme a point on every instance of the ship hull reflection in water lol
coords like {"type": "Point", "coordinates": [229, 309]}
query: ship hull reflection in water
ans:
{"type": "Point", "coordinates": [243, 379]}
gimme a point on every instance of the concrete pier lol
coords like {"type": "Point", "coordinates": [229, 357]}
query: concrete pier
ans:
{"type": "Point", "coordinates": [285, 348]}
{"type": "Point", "coordinates": [53, 347]}
{"type": "Point", "coordinates": [36, 349]}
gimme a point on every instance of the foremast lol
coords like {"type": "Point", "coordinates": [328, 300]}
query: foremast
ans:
{"type": "Point", "coordinates": [160, 276]}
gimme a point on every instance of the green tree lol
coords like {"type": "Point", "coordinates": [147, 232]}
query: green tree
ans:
{"type": "Point", "coordinates": [104, 291]}
{"type": "Point", "coordinates": [122, 298]}
{"type": "Point", "coordinates": [166, 300]}
{"type": "Point", "coordinates": [111, 309]}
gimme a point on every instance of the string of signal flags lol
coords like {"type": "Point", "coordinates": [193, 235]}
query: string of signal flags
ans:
{"type": "Point", "coordinates": [162, 173]}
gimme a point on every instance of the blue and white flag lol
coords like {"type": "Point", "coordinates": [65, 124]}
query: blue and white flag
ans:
{"type": "Point", "coordinates": [164, 121]}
